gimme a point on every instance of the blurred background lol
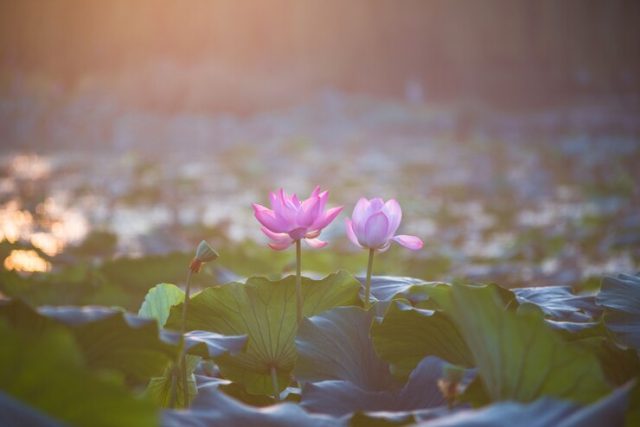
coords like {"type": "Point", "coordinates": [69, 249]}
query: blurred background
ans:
{"type": "Point", "coordinates": [509, 130]}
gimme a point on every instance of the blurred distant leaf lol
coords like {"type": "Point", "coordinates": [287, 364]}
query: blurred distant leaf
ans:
{"type": "Point", "coordinates": [620, 297]}
{"type": "Point", "coordinates": [147, 271]}
{"type": "Point", "coordinates": [159, 300]}
{"type": "Point", "coordinates": [46, 372]}
{"type": "Point", "coordinates": [265, 311]}
{"type": "Point", "coordinates": [98, 244]}
{"type": "Point", "coordinates": [407, 334]}
{"type": "Point", "coordinates": [518, 356]}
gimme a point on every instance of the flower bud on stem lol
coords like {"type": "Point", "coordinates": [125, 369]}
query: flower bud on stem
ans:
{"type": "Point", "coordinates": [204, 253]}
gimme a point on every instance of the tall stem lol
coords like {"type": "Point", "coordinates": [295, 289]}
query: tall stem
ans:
{"type": "Point", "coordinates": [367, 286]}
{"type": "Point", "coordinates": [180, 365]}
{"type": "Point", "coordinates": [183, 351]}
{"type": "Point", "coordinates": [298, 283]}
{"type": "Point", "coordinates": [274, 383]}
{"type": "Point", "coordinates": [183, 325]}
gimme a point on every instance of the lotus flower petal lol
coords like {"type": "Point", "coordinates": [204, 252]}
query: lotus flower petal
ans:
{"type": "Point", "coordinates": [316, 243]}
{"type": "Point", "coordinates": [267, 218]}
{"type": "Point", "coordinates": [276, 237]}
{"type": "Point", "coordinates": [393, 211]}
{"type": "Point", "coordinates": [375, 230]}
{"type": "Point", "coordinates": [280, 246]}
{"type": "Point", "coordinates": [374, 223]}
{"type": "Point", "coordinates": [351, 234]}
{"type": "Point", "coordinates": [291, 219]}
{"type": "Point", "coordinates": [309, 211]}
{"type": "Point", "coordinates": [410, 242]}
{"type": "Point", "coordinates": [326, 218]}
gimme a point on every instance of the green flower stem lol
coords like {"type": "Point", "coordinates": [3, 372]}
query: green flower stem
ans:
{"type": "Point", "coordinates": [367, 288]}
{"type": "Point", "coordinates": [274, 383]}
{"type": "Point", "coordinates": [183, 325]}
{"type": "Point", "coordinates": [183, 352]}
{"type": "Point", "coordinates": [298, 283]}
{"type": "Point", "coordinates": [180, 364]}
{"type": "Point", "coordinates": [173, 395]}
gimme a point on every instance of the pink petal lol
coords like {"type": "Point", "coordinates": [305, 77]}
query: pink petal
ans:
{"type": "Point", "coordinates": [375, 230]}
{"type": "Point", "coordinates": [276, 237]}
{"type": "Point", "coordinates": [359, 216]}
{"type": "Point", "coordinates": [267, 218]}
{"type": "Point", "coordinates": [275, 201]}
{"type": "Point", "coordinates": [298, 233]}
{"type": "Point", "coordinates": [309, 211]}
{"type": "Point", "coordinates": [315, 192]}
{"type": "Point", "coordinates": [323, 197]}
{"type": "Point", "coordinates": [285, 211]}
{"type": "Point", "coordinates": [316, 243]}
{"type": "Point", "coordinates": [351, 234]}
{"type": "Point", "coordinates": [393, 211]}
{"type": "Point", "coordinates": [384, 247]}
{"type": "Point", "coordinates": [325, 219]}
{"type": "Point", "coordinates": [280, 246]}
{"type": "Point", "coordinates": [410, 242]}
{"type": "Point", "coordinates": [312, 234]}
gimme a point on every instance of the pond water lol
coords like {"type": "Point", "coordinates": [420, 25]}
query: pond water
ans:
{"type": "Point", "coordinates": [526, 198]}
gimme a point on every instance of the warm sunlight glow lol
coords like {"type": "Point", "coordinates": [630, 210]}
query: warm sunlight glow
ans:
{"type": "Point", "coordinates": [26, 260]}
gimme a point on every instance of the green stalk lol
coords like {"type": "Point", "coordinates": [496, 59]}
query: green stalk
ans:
{"type": "Point", "coordinates": [298, 283]}
{"type": "Point", "coordinates": [183, 351]}
{"type": "Point", "coordinates": [367, 288]}
{"type": "Point", "coordinates": [180, 366]}
{"type": "Point", "coordinates": [274, 383]}
{"type": "Point", "coordinates": [183, 326]}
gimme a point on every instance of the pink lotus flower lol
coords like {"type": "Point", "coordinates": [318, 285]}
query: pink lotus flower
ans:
{"type": "Point", "coordinates": [290, 220]}
{"type": "Point", "coordinates": [374, 223]}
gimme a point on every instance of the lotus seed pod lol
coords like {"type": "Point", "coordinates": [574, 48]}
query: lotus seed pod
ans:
{"type": "Point", "coordinates": [205, 253]}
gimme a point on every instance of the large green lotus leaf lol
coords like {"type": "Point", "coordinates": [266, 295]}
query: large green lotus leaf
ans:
{"type": "Point", "coordinates": [339, 397]}
{"type": "Point", "coordinates": [45, 371]}
{"type": "Point", "coordinates": [560, 303]}
{"type": "Point", "coordinates": [335, 345]}
{"type": "Point", "coordinates": [408, 334]}
{"type": "Point", "coordinates": [213, 408]}
{"type": "Point", "coordinates": [265, 311]}
{"type": "Point", "coordinates": [386, 288]}
{"type": "Point", "coordinates": [159, 300]}
{"type": "Point", "coordinates": [108, 338]}
{"type": "Point", "coordinates": [157, 305]}
{"type": "Point", "coordinates": [619, 364]}
{"type": "Point", "coordinates": [608, 411]}
{"type": "Point", "coordinates": [159, 388]}
{"type": "Point", "coordinates": [519, 357]}
{"type": "Point", "coordinates": [620, 297]}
